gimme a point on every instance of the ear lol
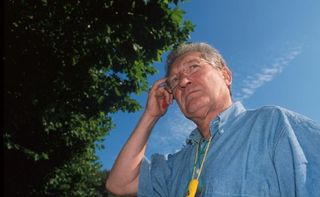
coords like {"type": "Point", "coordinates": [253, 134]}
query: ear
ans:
{"type": "Point", "coordinates": [227, 75]}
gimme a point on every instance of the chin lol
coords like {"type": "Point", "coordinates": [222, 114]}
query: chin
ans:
{"type": "Point", "coordinates": [197, 104]}
{"type": "Point", "coordinates": [196, 111]}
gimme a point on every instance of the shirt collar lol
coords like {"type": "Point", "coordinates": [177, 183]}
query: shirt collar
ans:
{"type": "Point", "coordinates": [217, 123]}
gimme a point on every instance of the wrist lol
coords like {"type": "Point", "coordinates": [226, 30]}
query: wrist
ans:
{"type": "Point", "coordinates": [150, 117]}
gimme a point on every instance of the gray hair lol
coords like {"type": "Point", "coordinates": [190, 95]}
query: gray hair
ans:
{"type": "Point", "coordinates": [207, 52]}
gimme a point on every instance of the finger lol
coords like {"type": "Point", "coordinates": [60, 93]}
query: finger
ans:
{"type": "Point", "coordinates": [163, 98]}
{"type": "Point", "coordinates": [171, 98]}
{"type": "Point", "coordinates": [159, 84]}
{"type": "Point", "coordinates": [162, 93]}
{"type": "Point", "coordinates": [164, 104]}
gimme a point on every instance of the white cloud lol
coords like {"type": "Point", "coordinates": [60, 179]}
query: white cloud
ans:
{"type": "Point", "coordinates": [252, 82]}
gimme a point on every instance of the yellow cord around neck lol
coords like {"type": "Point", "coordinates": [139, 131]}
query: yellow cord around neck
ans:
{"type": "Point", "coordinates": [193, 184]}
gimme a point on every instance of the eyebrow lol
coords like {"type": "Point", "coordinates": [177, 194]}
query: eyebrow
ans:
{"type": "Point", "coordinates": [191, 61]}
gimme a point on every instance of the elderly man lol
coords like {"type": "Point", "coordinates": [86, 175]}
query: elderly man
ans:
{"type": "Point", "coordinates": [269, 151]}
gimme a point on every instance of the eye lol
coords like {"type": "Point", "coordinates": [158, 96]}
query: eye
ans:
{"type": "Point", "coordinates": [193, 67]}
{"type": "Point", "coordinates": [173, 81]}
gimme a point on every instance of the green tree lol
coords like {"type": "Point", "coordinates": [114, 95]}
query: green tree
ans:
{"type": "Point", "coordinates": [68, 66]}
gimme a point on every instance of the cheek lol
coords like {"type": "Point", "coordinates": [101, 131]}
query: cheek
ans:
{"type": "Point", "coordinates": [214, 88]}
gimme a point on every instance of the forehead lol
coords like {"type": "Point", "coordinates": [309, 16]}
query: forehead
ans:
{"type": "Point", "coordinates": [186, 58]}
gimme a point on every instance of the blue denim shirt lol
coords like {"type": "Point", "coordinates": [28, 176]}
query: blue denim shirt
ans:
{"type": "Point", "coordinates": [270, 151]}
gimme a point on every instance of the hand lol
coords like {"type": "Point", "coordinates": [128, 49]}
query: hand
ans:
{"type": "Point", "coordinates": [158, 100]}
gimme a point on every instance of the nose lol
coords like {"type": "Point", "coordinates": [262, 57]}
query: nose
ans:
{"type": "Point", "coordinates": [184, 80]}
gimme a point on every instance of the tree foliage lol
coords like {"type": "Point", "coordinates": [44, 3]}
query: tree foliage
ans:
{"type": "Point", "coordinates": [68, 66]}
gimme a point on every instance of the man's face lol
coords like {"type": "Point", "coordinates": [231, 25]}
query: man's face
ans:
{"type": "Point", "coordinates": [201, 88]}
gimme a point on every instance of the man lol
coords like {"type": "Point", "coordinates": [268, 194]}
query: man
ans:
{"type": "Point", "coordinates": [270, 151]}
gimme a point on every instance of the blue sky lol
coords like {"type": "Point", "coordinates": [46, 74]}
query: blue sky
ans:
{"type": "Point", "coordinates": [273, 50]}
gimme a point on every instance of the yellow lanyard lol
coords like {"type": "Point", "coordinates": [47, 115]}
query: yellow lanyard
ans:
{"type": "Point", "coordinates": [193, 184]}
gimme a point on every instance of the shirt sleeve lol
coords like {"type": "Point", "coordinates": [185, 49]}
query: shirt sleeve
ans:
{"type": "Point", "coordinates": [153, 177]}
{"type": "Point", "coordinates": [297, 160]}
